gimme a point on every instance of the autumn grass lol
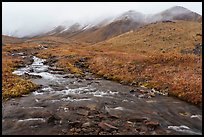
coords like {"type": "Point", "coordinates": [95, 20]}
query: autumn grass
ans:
{"type": "Point", "coordinates": [175, 73]}
{"type": "Point", "coordinates": [13, 85]}
{"type": "Point", "coordinates": [150, 56]}
{"type": "Point", "coordinates": [67, 54]}
{"type": "Point", "coordinates": [67, 65]}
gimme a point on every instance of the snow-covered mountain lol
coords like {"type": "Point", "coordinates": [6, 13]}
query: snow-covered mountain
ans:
{"type": "Point", "coordinates": [174, 13]}
{"type": "Point", "coordinates": [131, 15]}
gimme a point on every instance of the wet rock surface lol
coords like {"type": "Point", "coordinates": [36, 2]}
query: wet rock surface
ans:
{"type": "Point", "coordinates": [72, 105]}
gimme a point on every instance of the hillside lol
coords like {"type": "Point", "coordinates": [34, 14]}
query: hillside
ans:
{"type": "Point", "coordinates": [130, 20]}
{"type": "Point", "coordinates": [180, 13]}
{"type": "Point", "coordinates": [175, 13]}
{"type": "Point", "coordinates": [108, 31]}
{"type": "Point", "coordinates": [10, 40]}
{"type": "Point", "coordinates": [158, 37]}
{"type": "Point", "coordinates": [160, 55]}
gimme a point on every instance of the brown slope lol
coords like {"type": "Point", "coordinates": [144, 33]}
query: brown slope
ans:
{"type": "Point", "coordinates": [115, 28]}
{"type": "Point", "coordinates": [52, 40]}
{"type": "Point", "coordinates": [161, 36]}
{"type": "Point", "coordinates": [10, 40]}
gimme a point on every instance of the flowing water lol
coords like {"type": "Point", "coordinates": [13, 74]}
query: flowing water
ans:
{"type": "Point", "coordinates": [67, 104]}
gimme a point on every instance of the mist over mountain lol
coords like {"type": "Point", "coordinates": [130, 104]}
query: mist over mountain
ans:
{"type": "Point", "coordinates": [113, 26]}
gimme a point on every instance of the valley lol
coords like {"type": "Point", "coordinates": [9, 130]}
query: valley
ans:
{"type": "Point", "coordinates": [127, 76]}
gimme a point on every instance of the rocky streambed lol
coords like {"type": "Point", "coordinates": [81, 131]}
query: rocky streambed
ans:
{"type": "Point", "coordinates": [70, 104]}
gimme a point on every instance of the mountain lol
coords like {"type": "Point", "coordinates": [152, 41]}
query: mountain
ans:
{"type": "Point", "coordinates": [55, 30]}
{"type": "Point", "coordinates": [130, 20]}
{"type": "Point", "coordinates": [175, 13]}
{"type": "Point", "coordinates": [132, 15]}
{"type": "Point", "coordinates": [103, 30]}
{"type": "Point", "coordinates": [115, 28]}
{"type": "Point", "coordinates": [68, 32]}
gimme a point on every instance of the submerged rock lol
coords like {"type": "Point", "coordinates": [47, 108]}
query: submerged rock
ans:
{"type": "Point", "coordinates": [53, 119]}
{"type": "Point", "coordinates": [75, 124]}
{"type": "Point", "coordinates": [138, 119]}
{"type": "Point", "coordinates": [56, 69]}
{"type": "Point", "coordinates": [69, 76]}
{"type": "Point", "coordinates": [26, 75]}
{"type": "Point", "coordinates": [152, 125]}
{"type": "Point", "coordinates": [132, 91]}
{"type": "Point", "coordinates": [87, 124]}
{"type": "Point", "coordinates": [107, 126]}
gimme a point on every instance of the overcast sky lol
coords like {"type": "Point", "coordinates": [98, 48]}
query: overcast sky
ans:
{"type": "Point", "coordinates": [24, 18]}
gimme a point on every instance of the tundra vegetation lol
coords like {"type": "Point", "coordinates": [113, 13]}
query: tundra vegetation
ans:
{"type": "Point", "coordinates": [149, 56]}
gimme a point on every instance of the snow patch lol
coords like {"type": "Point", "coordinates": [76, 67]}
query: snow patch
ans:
{"type": "Point", "coordinates": [64, 30]}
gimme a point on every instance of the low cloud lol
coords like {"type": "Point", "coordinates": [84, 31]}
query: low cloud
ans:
{"type": "Point", "coordinates": [22, 19]}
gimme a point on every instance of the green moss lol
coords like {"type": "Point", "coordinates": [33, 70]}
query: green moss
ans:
{"type": "Point", "coordinates": [135, 62]}
{"type": "Point", "coordinates": [145, 84]}
{"type": "Point", "coordinates": [116, 78]}
{"type": "Point", "coordinates": [21, 87]}
{"type": "Point", "coordinates": [74, 69]}
{"type": "Point", "coordinates": [157, 65]}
